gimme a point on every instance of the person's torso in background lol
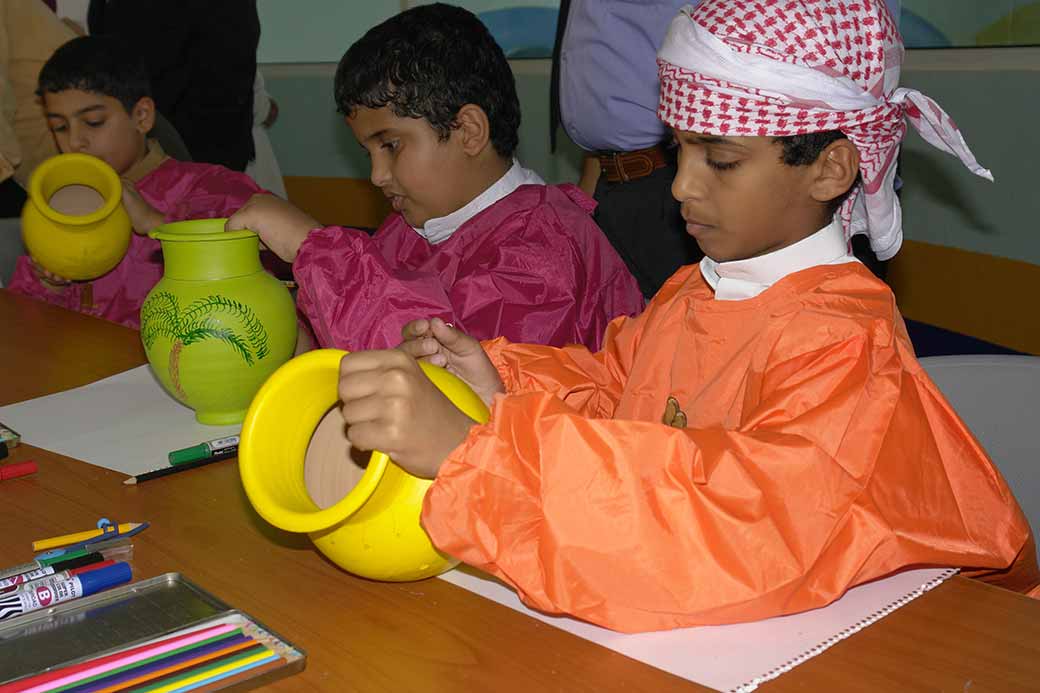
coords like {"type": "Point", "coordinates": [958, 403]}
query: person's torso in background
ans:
{"type": "Point", "coordinates": [608, 71]}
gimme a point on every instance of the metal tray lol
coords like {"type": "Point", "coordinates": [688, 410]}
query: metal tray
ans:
{"type": "Point", "coordinates": [119, 618]}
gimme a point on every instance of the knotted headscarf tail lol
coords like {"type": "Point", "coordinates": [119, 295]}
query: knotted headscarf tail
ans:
{"type": "Point", "coordinates": [775, 68]}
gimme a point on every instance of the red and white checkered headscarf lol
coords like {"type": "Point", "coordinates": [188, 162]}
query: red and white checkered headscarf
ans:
{"type": "Point", "coordinates": [791, 67]}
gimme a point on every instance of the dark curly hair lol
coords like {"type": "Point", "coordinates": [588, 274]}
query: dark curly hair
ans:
{"type": "Point", "coordinates": [428, 62]}
{"type": "Point", "coordinates": [802, 150]}
{"type": "Point", "coordinates": [96, 64]}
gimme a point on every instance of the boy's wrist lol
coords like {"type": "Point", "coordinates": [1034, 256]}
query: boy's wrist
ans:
{"type": "Point", "coordinates": [153, 220]}
{"type": "Point", "coordinates": [462, 430]}
{"type": "Point", "coordinates": [301, 238]}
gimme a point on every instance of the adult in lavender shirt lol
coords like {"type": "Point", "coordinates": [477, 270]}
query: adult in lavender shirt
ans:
{"type": "Point", "coordinates": [608, 89]}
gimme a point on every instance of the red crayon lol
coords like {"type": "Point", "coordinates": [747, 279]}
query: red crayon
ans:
{"type": "Point", "coordinates": [13, 471]}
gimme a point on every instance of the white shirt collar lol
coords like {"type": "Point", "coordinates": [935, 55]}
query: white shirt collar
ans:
{"type": "Point", "coordinates": [440, 229]}
{"type": "Point", "coordinates": [740, 279]}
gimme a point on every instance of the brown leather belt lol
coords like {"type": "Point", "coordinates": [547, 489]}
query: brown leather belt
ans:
{"type": "Point", "coordinates": [625, 166]}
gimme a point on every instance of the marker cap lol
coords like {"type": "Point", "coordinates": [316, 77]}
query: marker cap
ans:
{"type": "Point", "coordinates": [62, 556]}
{"type": "Point", "coordinates": [13, 471]}
{"type": "Point", "coordinates": [103, 578]}
{"type": "Point", "coordinates": [195, 452]}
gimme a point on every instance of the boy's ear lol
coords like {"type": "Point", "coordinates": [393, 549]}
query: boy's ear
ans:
{"type": "Point", "coordinates": [474, 129]}
{"type": "Point", "coordinates": [143, 115]}
{"type": "Point", "coordinates": [836, 171]}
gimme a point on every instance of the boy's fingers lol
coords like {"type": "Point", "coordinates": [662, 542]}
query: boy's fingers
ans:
{"type": "Point", "coordinates": [234, 222]}
{"type": "Point", "coordinates": [376, 359]}
{"type": "Point", "coordinates": [368, 436]}
{"type": "Point", "coordinates": [454, 340]}
{"type": "Point", "coordinates": [415, 328]}
{"type": "Point", "coordinates": [363, 410]}
{"type": "Point", "coordinates": [241, 218]}
{"type": "Point", "coordinates": [447, 334]}
{"type": "Point", "coordinates": [420, 348]}
{"type": "Point", "coordinates": [53, 278]}
{"type": "Point", "coordinates": [437, 359]}
{"type": "Point", "coordinates": [381, 373]}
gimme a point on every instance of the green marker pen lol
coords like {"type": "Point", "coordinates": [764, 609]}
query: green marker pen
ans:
{"type": "Point", "coordinates": [204, 450]}
{"type": "Point", "coordinates": [58, 558]}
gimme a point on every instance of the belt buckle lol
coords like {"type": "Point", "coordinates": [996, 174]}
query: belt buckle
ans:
{"type": "Point", "coordinates": [620, 166]}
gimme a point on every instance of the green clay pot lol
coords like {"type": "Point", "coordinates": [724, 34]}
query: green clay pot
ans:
{"type": "Point", "coordinates": [216, 325]}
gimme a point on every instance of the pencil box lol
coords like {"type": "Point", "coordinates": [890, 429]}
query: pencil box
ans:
{"type": "Point", "coordinates": [75, 634]}
{"type": "Point", "coordinates": [9, 436]}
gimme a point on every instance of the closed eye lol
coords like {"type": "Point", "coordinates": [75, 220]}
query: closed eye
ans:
{"type": "Point", "coordinates": [722, 165]}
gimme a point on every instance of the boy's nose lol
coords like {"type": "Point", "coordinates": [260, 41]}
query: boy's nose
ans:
{"type": "Point", "coordinates": [686, 186]}
{"type": "Point", "coordinates": [78, 140]}
{"type": "Point", "coordinates": [380, 173]}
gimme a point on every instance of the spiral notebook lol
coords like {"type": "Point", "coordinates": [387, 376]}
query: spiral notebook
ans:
{"type": "Point", "coordinates": [739, 657]}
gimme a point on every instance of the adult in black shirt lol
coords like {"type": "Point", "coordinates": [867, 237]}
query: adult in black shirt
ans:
{"type": "Point", "coordinates": [201, 58]}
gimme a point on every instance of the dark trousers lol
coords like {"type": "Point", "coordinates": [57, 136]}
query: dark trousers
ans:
{"type": "Point", "coordinates": [12, 199]}
{"type": "Point", "coordinates": [642, 221]}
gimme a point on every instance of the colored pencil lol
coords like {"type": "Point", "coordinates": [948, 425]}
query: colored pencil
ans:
{"type": "Point", "coordinates": [207, 673]}
{"type": "Point", "coordinates": [53, 542]}
{"type": "Point", "coordinates": [165, 471]}
{"type": "Point", "coordinates": [145, 678]}
{"type": "Point", "coordinates": [145, 671]}
{"type": "Point", "coordinates": [250, 675]}
{"type": "Point", "coordinates": [217, 640]}
{"type": "Point", "coordinates": [77, 672]}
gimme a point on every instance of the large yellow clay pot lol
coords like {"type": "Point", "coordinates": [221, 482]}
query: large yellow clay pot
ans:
{"type": "Point", "coordinates": [297, 474]}
{"type": "Point", "coordinates": [63, 229]}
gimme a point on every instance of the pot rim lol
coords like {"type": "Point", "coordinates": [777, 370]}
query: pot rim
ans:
{"type": "Point", "coordinates": [195, 230]}
{"type": "Point", "coordinates": [282, 387]}
{"type": "Point", "coordinates": [37, 198]}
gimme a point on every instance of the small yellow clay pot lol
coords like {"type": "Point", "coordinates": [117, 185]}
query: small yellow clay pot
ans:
{"type": "Point", "coordinates": [73, 223]}
{"type": "Point", "coordinates": [299, 475]}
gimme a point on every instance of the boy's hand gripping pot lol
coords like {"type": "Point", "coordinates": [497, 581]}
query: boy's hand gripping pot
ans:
{"type": "Point", "coordinates": [299, 474]}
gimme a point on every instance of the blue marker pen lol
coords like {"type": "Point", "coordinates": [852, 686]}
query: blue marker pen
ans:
{"type": "Point", "coordinates": [45, 596]}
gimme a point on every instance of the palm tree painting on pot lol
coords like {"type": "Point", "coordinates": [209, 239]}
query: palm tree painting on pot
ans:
{"type": "Point", "coordinates": [216, 325]}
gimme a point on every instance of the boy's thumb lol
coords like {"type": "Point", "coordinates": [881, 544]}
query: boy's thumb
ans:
{"type": "Point", "coordinates": [446, 334]}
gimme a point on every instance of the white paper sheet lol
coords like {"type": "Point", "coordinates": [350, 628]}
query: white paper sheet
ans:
{"type": "Point", "coordinates": [738, 657]}
{"type": "Point", "coordinates": [127, 423]}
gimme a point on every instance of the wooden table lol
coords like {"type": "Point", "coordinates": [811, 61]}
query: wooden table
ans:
{"type": "Point", "coordinates": [426, 636]}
